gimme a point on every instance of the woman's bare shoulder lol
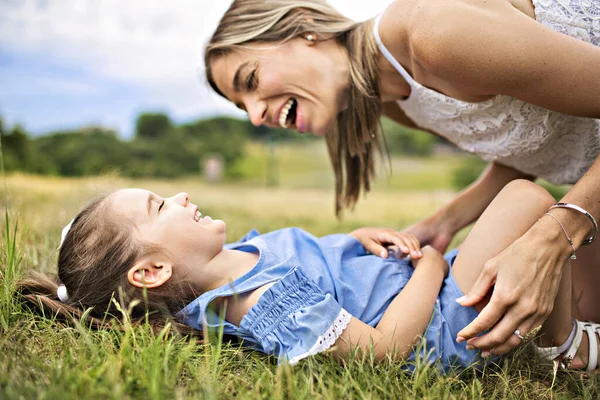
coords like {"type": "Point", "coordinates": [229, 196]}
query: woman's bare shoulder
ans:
{"type": "Point", "coordinates": [493, 47]}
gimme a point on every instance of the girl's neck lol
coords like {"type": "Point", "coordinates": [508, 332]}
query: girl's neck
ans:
{"type": "Point", "coordinates": [226, 267]}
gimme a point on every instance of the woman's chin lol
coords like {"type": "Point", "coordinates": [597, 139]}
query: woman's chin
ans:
{"type": "Point", "coordinates": [321, 129]}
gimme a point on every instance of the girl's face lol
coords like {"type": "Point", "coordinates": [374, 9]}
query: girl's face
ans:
{"type": "Point", "coordinates": [299, 85]}
{"type": "Point", "coordinates": [173, 223]}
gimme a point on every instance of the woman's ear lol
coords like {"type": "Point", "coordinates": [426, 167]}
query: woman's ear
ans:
{"type": "Point", "coordinates": [311, 38]}
{"type": "Point", "coordinates": [150, 272]}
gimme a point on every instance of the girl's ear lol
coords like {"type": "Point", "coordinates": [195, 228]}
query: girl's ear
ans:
{"type": "Point", "coordinates": [150, 272]}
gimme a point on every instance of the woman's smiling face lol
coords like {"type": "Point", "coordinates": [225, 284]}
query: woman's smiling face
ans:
{"type": "Point", "coordinates": [298, 85]}
{"type": "Point", "coordinates": [173, 223]}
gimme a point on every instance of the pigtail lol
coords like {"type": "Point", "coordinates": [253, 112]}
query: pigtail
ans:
{"type": "Point", "coordinates": [39, 293]}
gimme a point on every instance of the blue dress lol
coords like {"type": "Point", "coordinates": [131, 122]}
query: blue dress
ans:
{"type": "Point", "coordinates": [319, 284]}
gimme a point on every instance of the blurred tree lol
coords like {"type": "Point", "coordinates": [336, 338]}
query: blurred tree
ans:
{"type": "Point", "coordinates": [223, 135]}
{"type": "Point", "coordinates": [152, 125]}
{"type": "Point", "coordinates": [468, 171]}
{"type": "Point", "coordinates": [403, 140]}
{"type": "Point", "coordinates": [16, 148]}
{"type": "Point", "coordinates": [89, 151]}
{"type": "Point", "coordinates": [169, 156]}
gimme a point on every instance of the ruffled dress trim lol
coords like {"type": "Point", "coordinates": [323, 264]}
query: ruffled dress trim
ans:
{"type": "Point", "coordinates": [328, 338]}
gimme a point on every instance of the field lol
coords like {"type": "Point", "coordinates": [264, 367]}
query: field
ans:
{"type": "Point", "coordinates": [42, 358]}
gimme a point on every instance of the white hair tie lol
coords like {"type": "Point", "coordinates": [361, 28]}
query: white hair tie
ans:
{"type": "Point", "coordinates": [62, 294]}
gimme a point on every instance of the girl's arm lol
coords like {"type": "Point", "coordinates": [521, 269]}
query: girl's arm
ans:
{"type": "Point", "coordinates": [492, 48]}
{"type": "Point", "coordinates": [465, 208]}
{"type": "Point", "coordinates": [406, 318]}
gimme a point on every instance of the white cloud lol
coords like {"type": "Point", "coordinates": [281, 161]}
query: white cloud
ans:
{"type": "Point", "coordinates": [154, 44]}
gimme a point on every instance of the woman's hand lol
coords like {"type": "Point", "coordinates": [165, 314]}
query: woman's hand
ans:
{"type": "Point", "coordinates": [525, 276]}
{"type": "Point", "coordinates": [378, 240]}
{"type": "Point", "coordinates": [431, 232]}
{"type": "Point", "coordinates": [432, 258]}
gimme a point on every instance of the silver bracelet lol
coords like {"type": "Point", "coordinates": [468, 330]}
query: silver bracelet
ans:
{"type": "Point", "coordinates": [572, 256]}
{"type": "Point", "coordinates": [587, 214]}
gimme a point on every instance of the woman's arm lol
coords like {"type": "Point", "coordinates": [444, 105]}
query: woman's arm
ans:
{"type": "Point", "coordinates": [468, 205]}
{"type": "Point", "coordinates": [465, 208]}
{"type": "Point", "coordinates": [492, 48]}
{"type": "Point", "coordinates": [405, 319]}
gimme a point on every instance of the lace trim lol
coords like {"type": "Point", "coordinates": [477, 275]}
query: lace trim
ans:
{"type": "Point", "coordinates": [328, 338]}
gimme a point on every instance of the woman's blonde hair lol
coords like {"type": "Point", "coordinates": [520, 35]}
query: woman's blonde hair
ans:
{"type": "Point", "coordinates": [355, 138]}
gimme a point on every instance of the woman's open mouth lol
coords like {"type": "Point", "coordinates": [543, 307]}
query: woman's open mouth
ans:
{"type": "Point", "coordinates": [287, 116]}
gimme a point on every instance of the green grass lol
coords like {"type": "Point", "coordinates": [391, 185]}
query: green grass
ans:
{"type": "Point", "coordinates": [43, 358]}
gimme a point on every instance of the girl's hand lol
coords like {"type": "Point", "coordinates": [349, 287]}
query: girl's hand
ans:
{"type": "Point", "coordinates": [432, 258]}
{"type": "Point", "coordinates": [377, 241]}
{"type": "Point", "coordinates": [431, 232]}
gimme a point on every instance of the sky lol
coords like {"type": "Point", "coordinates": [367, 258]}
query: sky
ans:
{"type": "Point", "coordinates": [71, 63]}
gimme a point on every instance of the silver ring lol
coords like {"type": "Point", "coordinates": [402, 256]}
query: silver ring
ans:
{"type": "Point", "coordinates": [518, 334]}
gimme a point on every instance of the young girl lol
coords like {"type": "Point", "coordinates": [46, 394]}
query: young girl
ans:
{"type": "Point", "coordinates": [290, 294]}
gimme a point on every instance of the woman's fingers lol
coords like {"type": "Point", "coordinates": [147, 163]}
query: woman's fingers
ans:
{"type": "Point", "coordinates": [505, 330]}
{"type": "Point", "coordinates": [482, 286]}
{"type": "Point", "coordinates": [500, 339]}
{"type": "Point", "coordinates": [486, 319]}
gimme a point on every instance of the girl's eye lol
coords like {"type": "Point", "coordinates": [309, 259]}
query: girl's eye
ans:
{"type": "Point", "coordinates": [161, 205]}
{"type": "Point", "coordinates": [252, 81]}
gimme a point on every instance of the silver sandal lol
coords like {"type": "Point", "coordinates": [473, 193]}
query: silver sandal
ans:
{"type": "Point", "coordinates": [564, 354]}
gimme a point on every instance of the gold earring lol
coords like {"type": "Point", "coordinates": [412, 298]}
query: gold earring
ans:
{"type": "Point", "coordinates": [310, 38]}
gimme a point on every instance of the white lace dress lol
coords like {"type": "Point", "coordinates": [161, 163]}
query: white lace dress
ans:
{"type": "Point", "coordinates": [531, 139]}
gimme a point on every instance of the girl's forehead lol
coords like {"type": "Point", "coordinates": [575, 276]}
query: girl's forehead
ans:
{"type": "Point", "coordinates": [134, 203]}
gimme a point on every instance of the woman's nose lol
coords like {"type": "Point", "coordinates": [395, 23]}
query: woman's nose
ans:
{"type": "Point", "coordinates": [257, 112]}
{"type": "Point", "coordinates": [181, 198]}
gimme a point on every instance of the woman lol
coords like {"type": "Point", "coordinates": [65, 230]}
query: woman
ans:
{"type": "Point", "coordinates": [514, 82]}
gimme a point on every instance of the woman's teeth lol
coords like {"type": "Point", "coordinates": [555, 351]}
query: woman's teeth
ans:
{"type": "Point", "coordinates": [283, 116]}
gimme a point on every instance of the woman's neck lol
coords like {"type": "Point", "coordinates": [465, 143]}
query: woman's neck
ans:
{"type": "Point", "coordinates": [394, 32]}
{"type": "Point", "coordinates": [392, 86]}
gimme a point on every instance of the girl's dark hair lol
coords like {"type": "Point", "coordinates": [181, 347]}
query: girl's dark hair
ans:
{"type": "Point", "coordinates": [93, 261]}
{"type": "Point", "coordinates": [355, 140]}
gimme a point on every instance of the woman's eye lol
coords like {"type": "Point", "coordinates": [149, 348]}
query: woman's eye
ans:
{"type": "Point", "coordinates": [161, 205]}
{"type": "Point", "coordinates": [252, 81]}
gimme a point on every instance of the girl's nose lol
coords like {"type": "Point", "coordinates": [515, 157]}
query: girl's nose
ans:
{"type": "Point", "coordinates": [181, 198]}
{"type": "Point", "coordinates": [257, 112]}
